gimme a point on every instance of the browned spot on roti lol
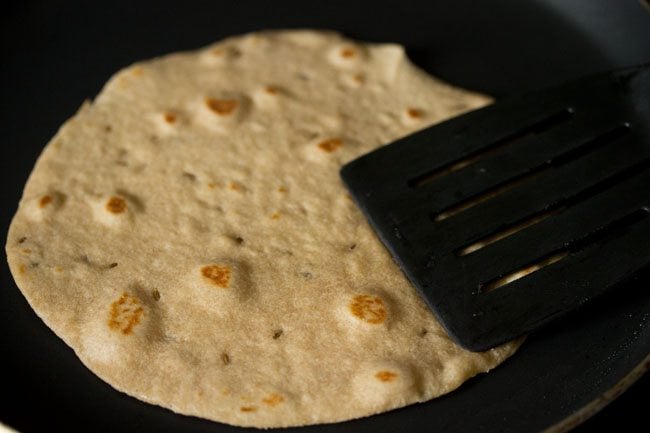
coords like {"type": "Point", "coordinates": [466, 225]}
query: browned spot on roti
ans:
{"type": "Point", "coordinates": [234, 186]}
{"type": "Point", "coordinates": [330, 145]}
{"type": "Point", "coordinates": [116, 205]}
{"type": "Point", "coordinates": [386, 376]}
{"type": "Point", "coordinates": [414, 113]}
{"type": "Point", "coordinates": [44, 201]}
{"type": "Point", "coordinates": [273, 399]}
{"type": "Point", "coordinates": [368, 308]}
{"type": "Point", "coordinates": [272, 90]}
{"type": "Point", "coordinates": [222, 107]}
{"type": "Point", "coordinates": [169, 117]}
{"type": "Point", "coordinates": [275, 215]}
{"type": "Point", "coordinates": [347, 53]}
{"type": "Point", "coordinates": [219, 275]}
{"type": "Point", "coordinates": [225, 358]}
{"type": "Point", "coordinates": [248, 408]}
{"type": "Point", "coordinates": [125, 314]}
{"type": "Point", "coordinates": [22, 269]}
{"type": "Point", "coordinates": [231, 52]}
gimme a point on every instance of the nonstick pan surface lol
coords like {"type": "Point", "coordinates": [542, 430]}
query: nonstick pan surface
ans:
{"type": "Point", "coordinates": [56, 54]}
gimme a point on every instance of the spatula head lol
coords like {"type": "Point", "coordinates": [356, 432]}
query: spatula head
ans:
{"type": "Point", "coordinates": [512, 215]}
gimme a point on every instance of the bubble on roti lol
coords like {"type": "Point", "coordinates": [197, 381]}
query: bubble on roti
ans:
{"type": "Point", "coordinates": [188, 236]}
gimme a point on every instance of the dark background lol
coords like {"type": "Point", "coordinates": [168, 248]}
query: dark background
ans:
{"type": "Point", "coordinates": [53, 55]}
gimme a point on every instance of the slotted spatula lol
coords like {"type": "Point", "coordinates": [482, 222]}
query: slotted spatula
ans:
{"type": "Point", "coordinates": [512, 215]}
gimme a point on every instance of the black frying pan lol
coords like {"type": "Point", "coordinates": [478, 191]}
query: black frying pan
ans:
{"type": "Point", "coordinates": [56, 54]}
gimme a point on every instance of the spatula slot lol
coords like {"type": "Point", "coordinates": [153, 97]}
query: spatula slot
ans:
{"type": "Point", "coordinates": [508, 231]}
{"type": "Point", "coordinates": [538, 127]}
{"type": "Point", "coordinates": [561, 159]}
{"type": "Point", "coordinates": [555, 208]}
{"type": "Point", "coordinates": [610, 230]}
{"type": "Point", "coordinates": [523, 271]}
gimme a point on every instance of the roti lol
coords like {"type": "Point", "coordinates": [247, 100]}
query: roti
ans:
{"type": "Point", "coordinates": [187, 234]}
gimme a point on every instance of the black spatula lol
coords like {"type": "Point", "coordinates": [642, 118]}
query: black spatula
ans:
{"type": "Point", "coordinates": [512, 215]}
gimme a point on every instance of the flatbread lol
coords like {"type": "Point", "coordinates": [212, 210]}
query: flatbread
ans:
{"type": "Point", "coordinates": [187, 234]}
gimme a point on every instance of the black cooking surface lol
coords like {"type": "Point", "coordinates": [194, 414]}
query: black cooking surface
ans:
{"type": "Point", "coordinates": [56, 54]}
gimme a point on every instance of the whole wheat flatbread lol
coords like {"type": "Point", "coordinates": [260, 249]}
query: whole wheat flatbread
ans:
{"type": "Point", "coordinates": [187, 234]}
